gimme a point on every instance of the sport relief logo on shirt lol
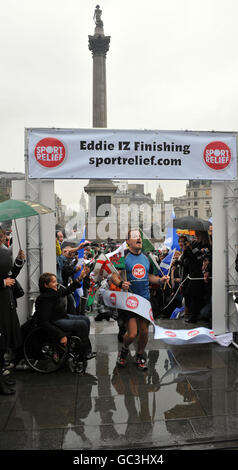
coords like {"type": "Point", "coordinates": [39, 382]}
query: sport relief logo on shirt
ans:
{"type": "Point", "coordinates": [138, 271]}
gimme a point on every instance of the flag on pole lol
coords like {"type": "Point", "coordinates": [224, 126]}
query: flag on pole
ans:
{"type": "Point", "coordinates": [117, 257]}
{"type": "Point", "coordinates": [171, 239]}
{"type": "Point", "coordinates": [156, 266]}
{"type": "Point", "coordinates": [165, 264]}
{"type": "Point", "coordinates": [146, 243]}
{"type": "Point", "coordinates": [103, 267]}
{"type": "Point", "coordinates": [92, 291]}
{"type": "Point", "coordinates": [79, 292]}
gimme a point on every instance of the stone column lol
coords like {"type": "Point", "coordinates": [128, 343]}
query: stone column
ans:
{"type": "Point", "coordinates": [99, 191]}
{"type": "Point", "coordinates": [99, 45]}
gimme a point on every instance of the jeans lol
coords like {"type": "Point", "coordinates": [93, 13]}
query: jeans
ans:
{"type": "Point", "coordinates": [78, 325]}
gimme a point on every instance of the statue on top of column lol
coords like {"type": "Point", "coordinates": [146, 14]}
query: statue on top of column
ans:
{"type": "Point", "coordinates": [97, 16]}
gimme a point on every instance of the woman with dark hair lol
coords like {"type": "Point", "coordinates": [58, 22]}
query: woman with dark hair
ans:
{"type": "Point", "coordinates": [52, 314]}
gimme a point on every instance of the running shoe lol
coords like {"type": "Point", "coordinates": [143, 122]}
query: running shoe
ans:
{"type": "Point", "coordinates": [122, 357]}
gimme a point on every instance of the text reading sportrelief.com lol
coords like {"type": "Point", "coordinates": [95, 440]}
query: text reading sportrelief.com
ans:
{"type": "Point", "coordinates": [122, 154]}
{"type": "Point", "coordinates": [137, 146]}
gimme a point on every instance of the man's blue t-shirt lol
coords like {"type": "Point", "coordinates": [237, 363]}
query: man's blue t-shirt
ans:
{"type": "Point", "coordinates": [138, 268]}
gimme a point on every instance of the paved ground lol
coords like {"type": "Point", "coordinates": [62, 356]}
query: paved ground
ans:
{"type": "Point", "coordinates": [188, 399]}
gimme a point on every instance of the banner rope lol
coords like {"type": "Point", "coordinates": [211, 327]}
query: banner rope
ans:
{"type": "Point", "coordinates": [180, 285]}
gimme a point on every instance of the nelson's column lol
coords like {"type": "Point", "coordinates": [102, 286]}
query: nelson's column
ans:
{"type": "Point", "coordinates": [99, 191]}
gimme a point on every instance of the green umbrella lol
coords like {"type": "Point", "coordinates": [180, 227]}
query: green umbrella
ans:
{"type": "Point", "coordinates": [18, 209]}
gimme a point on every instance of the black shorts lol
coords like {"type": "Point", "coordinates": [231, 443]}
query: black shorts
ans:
{"type": "Point", "coordinates": [124, 316]}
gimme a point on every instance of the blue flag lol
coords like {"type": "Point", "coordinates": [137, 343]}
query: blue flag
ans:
{"type": "Point", "coordinates": [79, 291]}
{"type": "Point", "coordinates": [166, 263]}
{"type": "Point", "coordinates": [171, 239]}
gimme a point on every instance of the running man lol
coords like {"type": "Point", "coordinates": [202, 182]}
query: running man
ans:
{"type": "Point", "coordinates": [138, 276]}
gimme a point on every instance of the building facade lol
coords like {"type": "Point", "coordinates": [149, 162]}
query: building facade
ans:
{"type": "Point", "coordinates": [133, 208]}
{"type": "Point", "coordinates": [197, 202]}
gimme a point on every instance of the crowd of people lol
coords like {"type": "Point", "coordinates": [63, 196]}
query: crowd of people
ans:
{"type": "Point", "coordinates": [189, 288]}
{"type": "Point", "coordinates": [186, 288]}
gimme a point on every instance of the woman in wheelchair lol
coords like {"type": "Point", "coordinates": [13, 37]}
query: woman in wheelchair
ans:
{"type": "Point", "coordinates": [55, 313]}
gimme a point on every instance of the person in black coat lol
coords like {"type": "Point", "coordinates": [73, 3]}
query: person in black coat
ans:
{"type": "Point", "coordinates": [51, 312]}
{"type": "Point", "coordinates": [193, 256]}
{"type": "Point", "coordinates": [10, 333]}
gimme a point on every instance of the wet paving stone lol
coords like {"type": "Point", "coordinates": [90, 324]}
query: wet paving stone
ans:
{"type": "Point", "coordinates": [43, 408]}
{"type": "Point", "coordinates": [218, 402]}
{"type": "Point", "coordinates": [43, 439]}
{"type": "Point", "coordinates": [5, 410]}
{"type": "Point", "coordinates": [224, 378]}
{"type": "Point", "coordinates": [188, 395]}
{"type": "Point", "coordinates": [216, 427]}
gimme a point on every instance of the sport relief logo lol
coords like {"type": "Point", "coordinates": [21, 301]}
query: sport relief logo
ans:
{"type": "Point", "coordinates": [50, 152]}
{"type": "Point", "coordinates": [217, 155]}
{"type": "Point", "coordinates": [113, 299]}
{"type": "Point", "coordinates": [193, 333]}
{"type": "Point", "coordinates": [170, 334]}
{"type": "Point", "coordinates": [132, 302]}
{"type": "Point", "coordinates": [138, 271]}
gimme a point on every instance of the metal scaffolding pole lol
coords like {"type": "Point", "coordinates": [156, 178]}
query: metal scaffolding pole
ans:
{"type": "Point", "coordinates": [33, 236]}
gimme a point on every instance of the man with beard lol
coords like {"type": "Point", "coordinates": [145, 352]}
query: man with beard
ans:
{"type": "Point", "coordinates": [138, 276]}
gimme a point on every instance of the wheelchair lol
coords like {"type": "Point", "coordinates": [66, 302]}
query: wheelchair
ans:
{"type": "Point", "coordinates": [44, 353]}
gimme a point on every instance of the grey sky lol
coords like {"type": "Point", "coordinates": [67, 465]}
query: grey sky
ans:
{"type": "Point", "coordinates": [171, 65]}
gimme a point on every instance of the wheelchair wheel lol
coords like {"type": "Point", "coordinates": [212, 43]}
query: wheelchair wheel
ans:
{"type": "Point", "coordinates": [42, 352]}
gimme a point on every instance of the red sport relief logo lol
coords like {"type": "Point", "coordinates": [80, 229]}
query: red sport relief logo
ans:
{"type": "Point", "coordinates": [193, 333]}
{"type": "Point", "coordinates": [50, 152]}
{"type": "Point", "coordinates": [113, 299]}
{"type": "Point", "coordinates": [170, 334]}
{"type": "Point", "coordinates": [138, 271]}
{"type": "Point", "coordinates": [217, 155]}
{"type": "Point", "coordinates": [132, 302]}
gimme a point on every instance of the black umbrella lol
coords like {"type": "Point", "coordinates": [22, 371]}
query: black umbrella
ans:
{"type": "Point", "coordinates": [191, 223]}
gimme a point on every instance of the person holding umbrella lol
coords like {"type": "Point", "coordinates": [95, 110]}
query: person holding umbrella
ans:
{"type": "Point", "coordinates": [10, 333]}
{"type": "Point", "coordinates": [192, 261]}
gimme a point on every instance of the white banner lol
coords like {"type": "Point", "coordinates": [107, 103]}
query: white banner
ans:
{"type": "Point", "coordinates": [137, 304]}
{"type": "Point", "coordinates": [131, 154]}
